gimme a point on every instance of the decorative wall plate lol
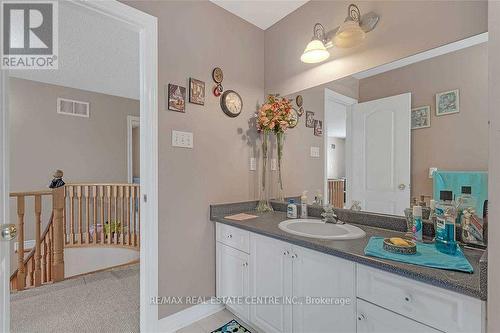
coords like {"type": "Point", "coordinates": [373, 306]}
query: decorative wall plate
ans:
{"type": "Point", "coordinates": [217, 75]}
{"type": "Point", "coordinates": [300, 111]}
{"type": "Point", "coordinates": [295, 119]}
{"type": "Point", "coordinates": [299, 100]}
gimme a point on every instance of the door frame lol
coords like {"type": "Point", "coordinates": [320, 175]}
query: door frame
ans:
{"type": "Point", "coordinates": [348, 102]}
{"type": "Point", "coordinates": [132, 122]}
{"type": "Point", "coordinates": [147, 27]}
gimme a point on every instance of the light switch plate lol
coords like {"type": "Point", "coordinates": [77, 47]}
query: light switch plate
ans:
{"type": "Point", "coordinates": [274, 164]}
{"type": "Point", "coordinates": [431, 171]}
{"type": "Point", "coordinates": [182, 139]}
{"type": "Point", "coordinates": [314, 151]}
{"type": "Point", "coordinates": [253, 164]}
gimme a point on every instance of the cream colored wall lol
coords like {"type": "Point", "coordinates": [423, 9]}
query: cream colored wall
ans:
{"type": "Point", "coordinates": [405, 28]}
{"type": "Point", "coordinates": [494, 168]}
{"type": "Point", "coordinates": [195, 37]}
{"type": "Point", "coordinates": [453, 142]}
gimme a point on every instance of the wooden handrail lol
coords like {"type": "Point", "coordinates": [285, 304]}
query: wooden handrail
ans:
{"type": "Point", "coordinates": [83, 215]}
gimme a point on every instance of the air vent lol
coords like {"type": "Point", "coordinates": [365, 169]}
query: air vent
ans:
{"type": "Point", "coordinates": [73, 108]}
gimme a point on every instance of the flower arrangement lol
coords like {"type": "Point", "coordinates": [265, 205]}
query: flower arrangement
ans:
{"type": "Point", "coordinates": [274, 116]}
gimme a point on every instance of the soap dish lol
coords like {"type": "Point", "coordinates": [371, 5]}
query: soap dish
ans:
{"type": "Point", "coordinates": [409, 248]}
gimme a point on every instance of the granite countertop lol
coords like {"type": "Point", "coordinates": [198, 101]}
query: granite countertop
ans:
{"type": "Point", "coordinates": [471, 284]}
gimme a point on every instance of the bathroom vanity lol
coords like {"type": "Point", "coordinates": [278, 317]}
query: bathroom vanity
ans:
{"type": "Point", "coordinates": [256, 260]}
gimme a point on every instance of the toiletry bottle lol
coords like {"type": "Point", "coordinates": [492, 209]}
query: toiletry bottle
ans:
{"type": "Point", "coordinates": [291, 209]}
{"type": "Point", "coordinates": [432, 215]}
{"type": "Point", "coordinates": [417, 223]}
{"type": "Point", "coordinates": [445, 223]}
{"type": "Point", "coordinates": [303, 205]}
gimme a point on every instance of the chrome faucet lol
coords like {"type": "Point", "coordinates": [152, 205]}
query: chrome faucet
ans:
{"type": "Point", "coordinates": [329, 215]}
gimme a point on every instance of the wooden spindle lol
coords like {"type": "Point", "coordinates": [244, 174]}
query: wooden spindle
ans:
{"type": "Point", "coordinates": [122, 214]}
{"type": "Point", "coordinates": [38, 231]}
{"type": "Point", "coordinates": [87, 213]}
{"type": "Point", "coordinates": [58, 265]}
{"type": "Point", "coordinates": [79, 216]}
{"type": "Point", "coordinates": [108, 193]}
{"type": "Point", "coordinates": [44, 261]}
{"type": "Point", "coordinates": [127, 200]}
{"type": "Point", "coordinates": [65, 232]}
{"type": "Point", "coordinates": [21, 284]}
{"type": "Point", "coordinates": [71, 193]}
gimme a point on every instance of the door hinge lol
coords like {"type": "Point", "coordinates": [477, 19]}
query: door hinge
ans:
{"type": "Point", "coordinates": [145, 198]}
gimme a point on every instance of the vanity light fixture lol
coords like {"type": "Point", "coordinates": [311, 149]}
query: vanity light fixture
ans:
{"type": "Point", "coordinates": [349, 34]}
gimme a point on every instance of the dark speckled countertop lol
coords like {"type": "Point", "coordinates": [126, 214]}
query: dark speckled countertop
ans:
{"type": "Point", "coordinates": [267, 224]}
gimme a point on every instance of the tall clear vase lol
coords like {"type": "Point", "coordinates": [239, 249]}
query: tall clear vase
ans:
{"type": "Point", "coordinates": [280, 140]}
{"type": "Point", "coordinates": [264, 204]}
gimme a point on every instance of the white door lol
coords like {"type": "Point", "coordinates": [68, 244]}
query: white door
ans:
{"type": "Point", "coordinates": [4, 209]}
{"type": "Point", "coordinates": [270, 277]}
{"type": "Point", "coordinates": [374, 319]}
{"type": "Point", "coordinates": [380, 154]}
{"type": "Point", "coordinates": [232, 278]}
{"type": "Point", "coordinates": [325, 278]}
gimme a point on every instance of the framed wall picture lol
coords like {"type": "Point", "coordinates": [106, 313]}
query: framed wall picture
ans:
{"type": "Point", "coordinates": [310, 119]}
{"type": "Point", "coordinates": [421, 117]}
{"type": "Point", "coordinates": [318, 127]}
{"type": "Point", "coordinates": [176, 97]}
{"type": "Point", "coordinates": [196, 91]}
{"type": "Point", "coordinates": [447, 102]}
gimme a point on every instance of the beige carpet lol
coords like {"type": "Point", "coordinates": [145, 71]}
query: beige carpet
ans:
{"type": "Point", "coordinates": [107, 301]}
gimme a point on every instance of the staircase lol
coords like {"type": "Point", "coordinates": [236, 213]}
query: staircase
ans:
{"type": "Point", "coordinates": [83, 215]}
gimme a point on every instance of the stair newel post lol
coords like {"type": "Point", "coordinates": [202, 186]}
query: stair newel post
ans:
{"type": "Point", "coordinates": [58, 221]}
{"type": "Point", "coordinates": [21, 273]}
{"type": "Point", "coordinates": [38, 231]}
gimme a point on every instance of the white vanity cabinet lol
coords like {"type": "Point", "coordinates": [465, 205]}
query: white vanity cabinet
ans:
{"type": "Point", "coordinates": [301, 276]}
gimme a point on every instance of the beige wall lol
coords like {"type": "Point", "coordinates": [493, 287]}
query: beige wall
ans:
{"type": "Point", "coordinates": [87, 149]}
{"type": "Point", "coordinates": [195, 37]}
{"type": "Point", "coordinates": [336, 158]}
{"type": "Point", "coordinates": [494, 168]}
{"type": "Point", "coordinates": [405, 28]}
{"type": "Point", "coordinates": [453, 142]}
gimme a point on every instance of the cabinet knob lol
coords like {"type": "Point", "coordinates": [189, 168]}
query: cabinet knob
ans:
{"type": "Point", "coordinates": [245, 264]}
{"type": "Point", "coordinates": [361, 317]}
{"type": "Point", "coordinates": [294, 256]}
{"type": "Point", "coordinates": [229, 236]}
{"type": "Point", "coordinates": [408, 298]}
{"type": "Point", "coordinates": [285, 253]}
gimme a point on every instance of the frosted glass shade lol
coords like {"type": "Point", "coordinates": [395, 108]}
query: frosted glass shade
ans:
{"type": "Point", "coordinates": [315, 52]}
{"type": "Point", "coordinates": [349, 34]}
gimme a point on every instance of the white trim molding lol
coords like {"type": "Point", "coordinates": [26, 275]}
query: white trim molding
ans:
{"type": "Point", "coordinates": [188, 316]}
{"type": "Point", "coordinates": [132, 122]}
{"type": "Point", "coordinates": [147, 27]}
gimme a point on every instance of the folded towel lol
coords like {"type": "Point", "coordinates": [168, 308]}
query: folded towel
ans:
{"type": "Point", "coordinates": [427, 255]}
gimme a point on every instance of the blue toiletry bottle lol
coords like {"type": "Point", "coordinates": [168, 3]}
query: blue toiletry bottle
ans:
{"type": "Point", "coordinates": [446, 215]}
{"type": "Point", "coordinates": [291, 209]}
{"type": "Point", "coordinates": [417, 223]}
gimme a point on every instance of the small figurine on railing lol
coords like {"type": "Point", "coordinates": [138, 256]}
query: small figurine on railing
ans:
{"type": "Point", "coordinates": [57, 181]}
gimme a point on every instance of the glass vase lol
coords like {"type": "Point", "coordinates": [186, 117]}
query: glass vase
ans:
{"type": "Point", "coordinates": [280, 140]}
{"type": "Point", "coordinates": [264, 205]}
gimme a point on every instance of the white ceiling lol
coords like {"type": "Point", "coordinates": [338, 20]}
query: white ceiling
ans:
{"type": "Point", "coordinates": [262, 14]}
{"type": "Point", "coordinates": [96, 53]}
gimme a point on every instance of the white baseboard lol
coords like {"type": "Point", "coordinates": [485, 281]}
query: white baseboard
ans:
{"type": "Point", "coordinates": [188, 316]}
{"type": "Point", "coordinates": [29, 244]}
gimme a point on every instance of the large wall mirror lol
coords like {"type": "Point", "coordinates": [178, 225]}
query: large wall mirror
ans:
{"type": "Point", "coordinates": [383, 132]}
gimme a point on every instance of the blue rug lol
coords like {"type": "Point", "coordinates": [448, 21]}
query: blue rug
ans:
{"type": "Point", "coordinates": [233, 326]}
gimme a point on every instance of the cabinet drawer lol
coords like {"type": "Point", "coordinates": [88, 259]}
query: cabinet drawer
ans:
{"type": "Point", "coordinates": [233, 237]}
{"type": "Point", "coordinates": [443, 309]}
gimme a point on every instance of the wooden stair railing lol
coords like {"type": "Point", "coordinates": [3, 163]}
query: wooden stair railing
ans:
{"type": "Point", "coordinates": [336, 192]}
{"type": "Point", "coordinates": [102, 215]}
{"type": "Point", "coordinates": [83, 215]}
{"type": "Point", "coordinates": [41, 265]}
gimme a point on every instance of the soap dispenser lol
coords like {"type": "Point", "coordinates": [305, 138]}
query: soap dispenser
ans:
{"type": "Point", "coordinates": [303, 205]}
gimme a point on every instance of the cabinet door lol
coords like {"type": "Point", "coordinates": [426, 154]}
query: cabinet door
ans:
{"type": "Point", "coordinates": [270, 277]}
{"type": "Point", "coordinates": [374, 319]}
{"type": "Point", "coordinates": [232, 278]}
{"type": "Point", "coordinates": [323, 278]}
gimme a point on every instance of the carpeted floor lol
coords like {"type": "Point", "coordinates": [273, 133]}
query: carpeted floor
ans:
{"type": "Point", "coordinates": [107, 301]}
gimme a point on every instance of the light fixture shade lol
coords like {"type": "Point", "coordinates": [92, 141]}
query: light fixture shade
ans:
{"type": "Point", "coordinates": [315, 52]}
{"type": "Point", "coordinates": [349, 34]}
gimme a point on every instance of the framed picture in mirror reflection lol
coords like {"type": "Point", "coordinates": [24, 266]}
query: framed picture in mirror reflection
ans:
{"type": "Point", "coordinates": [310, 119]}
{"type": "Point", "coordinates": [421, 117]}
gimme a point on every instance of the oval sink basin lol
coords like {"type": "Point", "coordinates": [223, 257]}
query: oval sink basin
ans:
{"type": "Point", "coordinates": [319, 229]}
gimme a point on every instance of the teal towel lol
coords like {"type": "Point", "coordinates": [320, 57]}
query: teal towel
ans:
{"type": "Point", "coordinates": [426, 255]}
{"type": "Point", "coordinates": [454, 180]}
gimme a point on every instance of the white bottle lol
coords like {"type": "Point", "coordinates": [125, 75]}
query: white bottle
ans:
{"type": "Point", "coordinates": [291, 210]}
{"type": "Point", "coordinates": [303, 205]}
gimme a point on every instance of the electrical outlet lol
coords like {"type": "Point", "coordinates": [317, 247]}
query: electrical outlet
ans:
{"type": "Point", "coordinates": [253, 164]}
{"type": "Point", "coordinates": [314, 151]}
{"type": "Point", "coordinates": [431, 171]}
{"type": "Point", "coordinates": [182, 139]}
{"type": "Point", "coordinates": [274, 164]}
